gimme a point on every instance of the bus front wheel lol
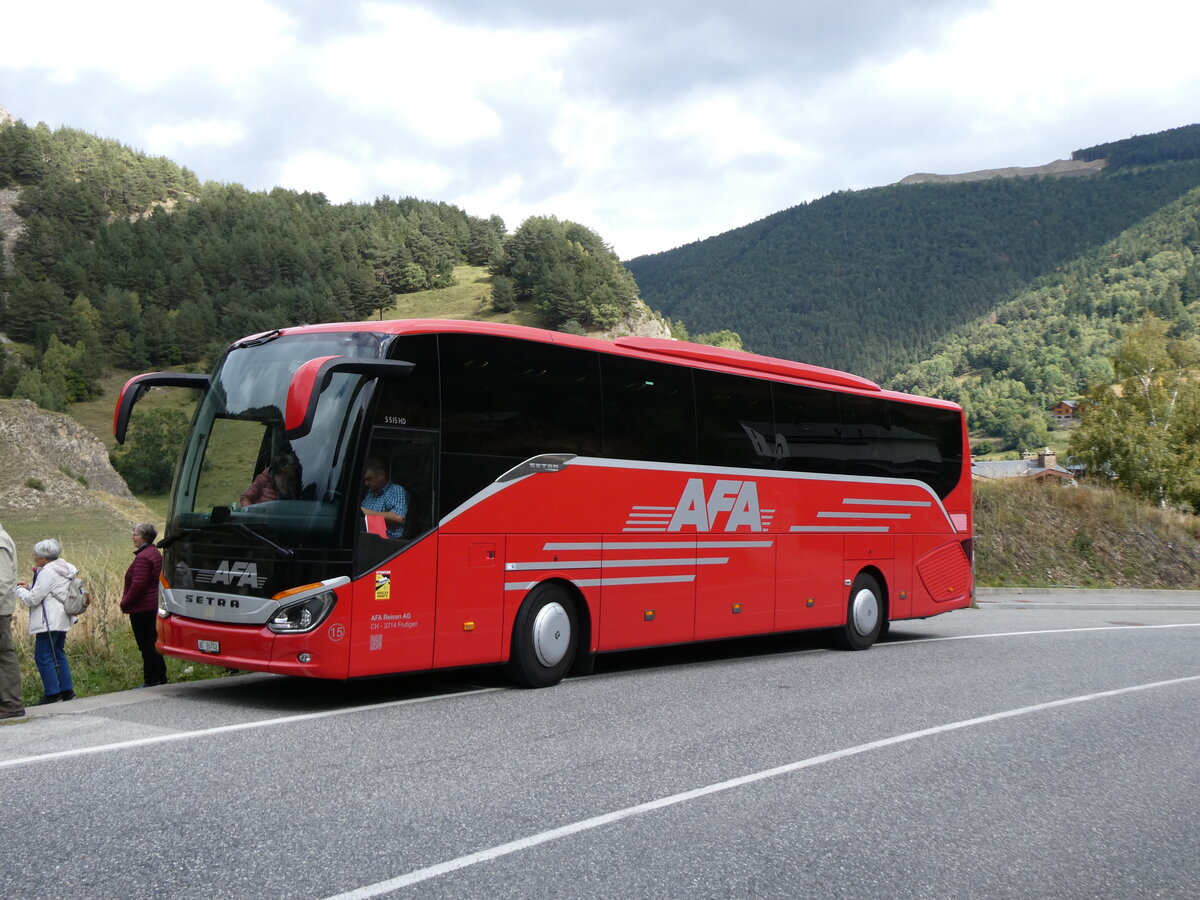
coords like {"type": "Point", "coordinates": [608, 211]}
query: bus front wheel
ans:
{"type": "Point", "coordinates": [545, 637]}
{"type": "Point", "coordinates": [865, 614]}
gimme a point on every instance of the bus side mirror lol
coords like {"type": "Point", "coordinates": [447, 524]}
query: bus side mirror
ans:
{"type": "Point", "coordinates": [313, 377]}
{"type": "Point", "coordinates": [135, 388]}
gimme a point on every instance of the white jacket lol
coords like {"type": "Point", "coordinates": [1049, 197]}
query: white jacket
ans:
{"type": "Point", "coordinates": [45, 598]}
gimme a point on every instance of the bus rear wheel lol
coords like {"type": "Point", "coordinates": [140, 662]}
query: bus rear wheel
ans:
{"type": "Point", "coordinates": [864, 615]}
{"type": "Point", "coordinates": [545, 638]}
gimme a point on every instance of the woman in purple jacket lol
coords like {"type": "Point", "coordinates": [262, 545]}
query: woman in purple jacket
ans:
{"type": "Point", "coordinates": [140, 601]}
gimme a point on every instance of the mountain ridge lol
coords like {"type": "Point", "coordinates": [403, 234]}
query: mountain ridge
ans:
{"type": "Point", "coordinates": [1059, 168]}
{"type": "Point", "coordinates": [872, 280]}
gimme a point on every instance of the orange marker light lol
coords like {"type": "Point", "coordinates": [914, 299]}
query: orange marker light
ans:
{"type": "Point", "coordinates": [296, 590]}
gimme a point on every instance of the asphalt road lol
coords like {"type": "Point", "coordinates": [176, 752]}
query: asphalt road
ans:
{"type": "Point", "coordinates": [1028, 748]}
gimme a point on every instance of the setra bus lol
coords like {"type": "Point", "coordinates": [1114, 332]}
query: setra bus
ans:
{"type": "Point", "coordinates": [566, 496]}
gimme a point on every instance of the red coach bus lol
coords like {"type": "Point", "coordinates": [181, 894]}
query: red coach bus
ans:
{"type": "Point", "coordinates": [565, 497]}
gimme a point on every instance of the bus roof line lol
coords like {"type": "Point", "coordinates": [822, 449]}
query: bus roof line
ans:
{"type": "Point", "coordinates": [749, 364]}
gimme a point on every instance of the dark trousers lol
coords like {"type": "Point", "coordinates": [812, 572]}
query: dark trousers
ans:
{"type": "Point", "coordinates": [145, 632]}
{"type": "Point", "coordinates": [10, 670]}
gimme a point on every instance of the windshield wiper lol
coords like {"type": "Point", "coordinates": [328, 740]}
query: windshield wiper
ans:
{"type": "Point", "coordinates": [264, 338]}
{"type": "Point", "coordinates": [183, 532]}
{"type": "Point", "coordinates": [247, 531]}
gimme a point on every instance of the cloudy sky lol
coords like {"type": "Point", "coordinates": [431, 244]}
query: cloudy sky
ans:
{"type": "Point", "coordinates": [653, 122]}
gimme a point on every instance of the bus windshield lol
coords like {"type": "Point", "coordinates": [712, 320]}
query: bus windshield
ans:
{"type": "Point", "coordinates": [240, 470]}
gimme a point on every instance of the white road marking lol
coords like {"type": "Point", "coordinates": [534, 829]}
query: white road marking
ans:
{"type": "Point", "coordinates": [227, 729]}
{"type": "Point", "coordinates": [304, 717]}
{"type": "Point", "coordinates": [972, 637]}
{"type": "Point", "coordinates": [544, 837]}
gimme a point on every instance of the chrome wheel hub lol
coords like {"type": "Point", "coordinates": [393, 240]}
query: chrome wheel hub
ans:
{"type": "Point", "coordinates": [551, 634]}
{"type": "Point", "coordinates": [864, 611]}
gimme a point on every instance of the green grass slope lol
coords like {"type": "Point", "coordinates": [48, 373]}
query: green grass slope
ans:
{"type": "Point", "coordinates": [1036, 535]}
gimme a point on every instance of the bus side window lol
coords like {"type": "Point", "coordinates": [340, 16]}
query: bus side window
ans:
{"type": "Point", "coordinates": [808, 430]}
{"type": "Point", "coordinates": [867, 433]}
{"type": "Point", "coordinates": [736, 422]}
{"type": "Point", "coordinates": [649, 410]}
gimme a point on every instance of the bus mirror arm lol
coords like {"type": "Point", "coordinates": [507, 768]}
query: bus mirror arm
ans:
{"type": "Point", "coordinates": [313, 377]}
{"type": "Point", "coordinates": [135, 388]}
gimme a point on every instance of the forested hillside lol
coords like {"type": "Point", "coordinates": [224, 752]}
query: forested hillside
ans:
{"type": "Point", "coordinates": [117, 259]}
{"type": "Point", "coordinates": [870, 280]}
{"type": "Point", "coordinates": [1056, 339]}
{"type": "Point", "coordinates": [127, 260]}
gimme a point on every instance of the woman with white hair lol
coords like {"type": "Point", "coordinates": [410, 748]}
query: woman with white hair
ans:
{"type": "Point", "coordinates": [48, 620]}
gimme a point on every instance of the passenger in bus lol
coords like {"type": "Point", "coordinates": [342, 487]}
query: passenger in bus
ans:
{"type": "Point", "coordinates": [278, 481]}
{"type": "Point", "coordinates": [384, 498]}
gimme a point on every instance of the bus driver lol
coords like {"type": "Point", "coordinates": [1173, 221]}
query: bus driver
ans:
{"type": "Point", "coordinates": [384, 498]}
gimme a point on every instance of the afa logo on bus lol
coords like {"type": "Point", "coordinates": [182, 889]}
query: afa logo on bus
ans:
{"type": "Point", "coordinates": [703, 510]}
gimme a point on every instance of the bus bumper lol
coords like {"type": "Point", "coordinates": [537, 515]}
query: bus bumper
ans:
{"type": "Point", "coordinates": [322, 653]}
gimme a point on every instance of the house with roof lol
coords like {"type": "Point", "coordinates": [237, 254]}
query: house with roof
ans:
{"type": "Point", "coordinates": [1039, 466]}
{"type": "Point", "coordinates": [1065, 412]}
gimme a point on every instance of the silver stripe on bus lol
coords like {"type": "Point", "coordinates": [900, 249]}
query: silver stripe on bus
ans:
{"type": "Point", "coordinates": [616, 563]}
{"type": "Point", "coordinates": [605, 582]}
{"type": "Point", "coordinates": [863, 515]}
{"type": "Point", "coordinates": [660, 545]}
{"type": "Point", "coordinates": [839, 529]}
{"type": "Point", "coordinates": [854, 501]}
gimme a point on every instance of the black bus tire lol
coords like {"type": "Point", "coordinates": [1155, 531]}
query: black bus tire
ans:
{"type": "Point", "coordinates": [865, 612]}
{"type": "Point", "coordinates": [544, 639]}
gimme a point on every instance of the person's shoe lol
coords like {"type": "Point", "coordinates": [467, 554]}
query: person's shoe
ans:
{"type": "Point", "coordinates": [49, 698]}
{"type": "Point", "coordinates": [12, 714]}
{"type": "Point", "coordinates": [67, 695]}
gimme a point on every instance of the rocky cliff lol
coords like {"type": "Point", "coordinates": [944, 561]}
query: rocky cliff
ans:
{"type": "Point", "coordinates": [49, 463]}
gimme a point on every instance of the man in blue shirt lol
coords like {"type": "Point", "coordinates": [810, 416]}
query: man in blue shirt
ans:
{"type": "Point", "coordinates": [385, 498]}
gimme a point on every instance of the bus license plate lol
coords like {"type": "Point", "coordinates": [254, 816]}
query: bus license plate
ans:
{"type": "Point", "coordinates": [209, 646]}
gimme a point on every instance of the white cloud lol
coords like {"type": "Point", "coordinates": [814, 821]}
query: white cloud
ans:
{"type": "Point", "coordinates": [357, 175]}
{"type": "Point", "coordinates": [439, 79]}
{"type": "Point", "coordinates": [163, 140]}
{"type": "Point", "coordinates": [653, 131]}
{"type": "Point", "coordinates": [337, 177]}
{"type": "Point", "coordinates": [145, 43]}
{"type": "Point", "coordinates": [729, 127]}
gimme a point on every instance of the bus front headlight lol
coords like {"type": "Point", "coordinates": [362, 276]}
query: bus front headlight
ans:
{"type": "Point", "coordinates": [303, 615]}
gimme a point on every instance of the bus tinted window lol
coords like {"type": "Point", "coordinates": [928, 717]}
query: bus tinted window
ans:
{"type": "Point", "coordinates": [518, 399]}
{"type": "Point", "coordinates": [927, 444]}
{"type": "Point", "coordinates": [649, 411]}
{"type": "Point", "coordinates": [411, 401]}
{"type": "Point", "coordinates": [735, 422]}
{"type": "Point", "coordinates": [808, 430]}
{"type": "Point", "coordinates": [867, 436]}
{"type": "Point", "coordinates": [504, 401]}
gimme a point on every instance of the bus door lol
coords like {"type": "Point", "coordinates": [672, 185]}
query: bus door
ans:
{"type": "Point", "coordinates": [394, 599]}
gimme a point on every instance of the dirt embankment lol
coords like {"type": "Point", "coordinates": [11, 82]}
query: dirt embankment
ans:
{"type": "Point", "coordinates": [50, 464]}
{"type": "Point", "coordinates": [1038, 535]}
